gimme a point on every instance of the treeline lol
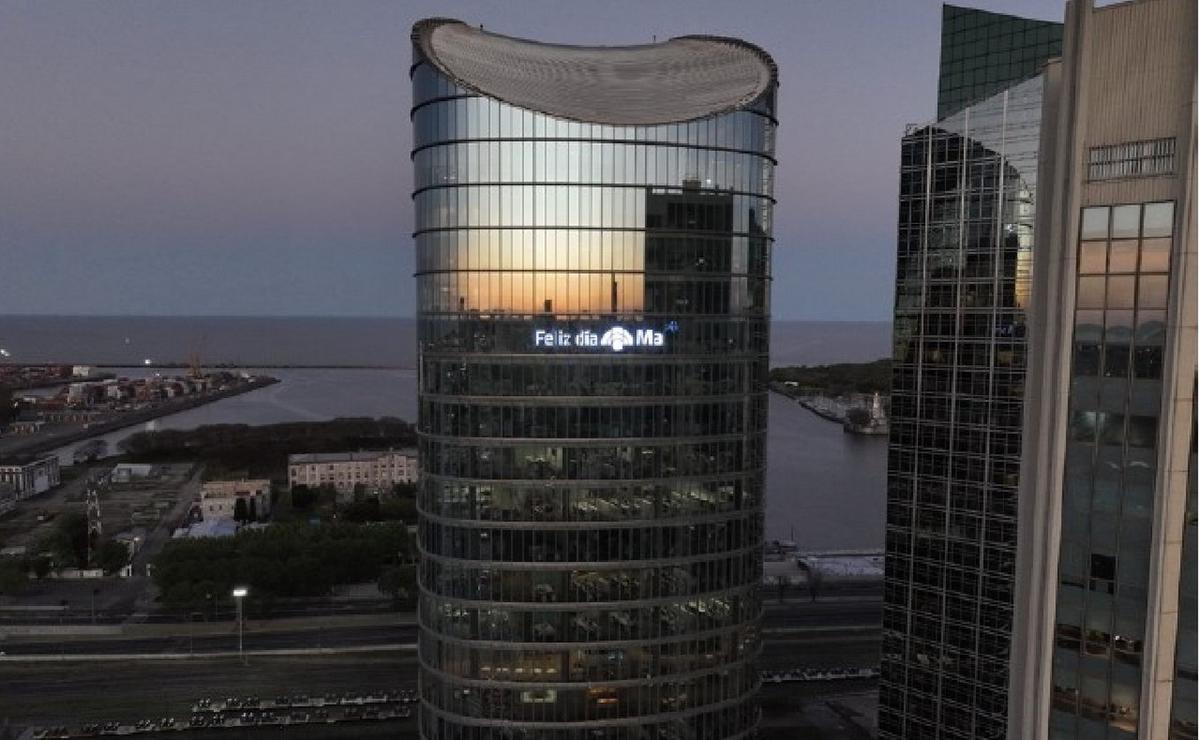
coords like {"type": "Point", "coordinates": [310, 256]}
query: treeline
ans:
{"type": "Point", "coordinates": [840, 379]}
{"type": "Point", "coordinates": [284, 560]}
{"type": "Point", "coordinates": [261, 451]}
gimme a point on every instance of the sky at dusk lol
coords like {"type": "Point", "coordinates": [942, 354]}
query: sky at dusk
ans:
{"type": "Point", "coordinates": [252, 158]}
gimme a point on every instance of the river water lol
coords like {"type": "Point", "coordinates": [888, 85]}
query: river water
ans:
{"type": "Point", "coordinates": [825, 488]}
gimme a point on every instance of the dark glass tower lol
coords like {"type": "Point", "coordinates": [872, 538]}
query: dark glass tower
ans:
{"type": "Point", "coordinates": [593, 241]}
{"type": "Point", "coordinates": [968, 187]}
{"type": "Point", "coordinates": [983, 53]}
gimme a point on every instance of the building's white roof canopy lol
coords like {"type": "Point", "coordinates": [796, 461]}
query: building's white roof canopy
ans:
{"type": "Point", "coordinates": [681, 79]}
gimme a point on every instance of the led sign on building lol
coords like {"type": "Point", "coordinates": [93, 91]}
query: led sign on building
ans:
{"type": "Point", "coordinates": [616, 338]}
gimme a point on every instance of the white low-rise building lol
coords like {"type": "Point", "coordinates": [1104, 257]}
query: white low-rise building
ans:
{"type": "Point", "coordinates": [374, 470]}
{"type": "Point", "coordinates": [32, 478]}
{"type": "Point", "coordinates": [218, 499]}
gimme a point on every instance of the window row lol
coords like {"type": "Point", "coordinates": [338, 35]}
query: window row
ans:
{"type": "Point", "coordinates": [977, 392]}
{"type": "Point", "coordinates": [934, 546]}
{"type": "Point", "coordinates": [591, 163]}
{"type": "Point", "coordinates": [1147, 220]}
{"type": "Point", "coordinates": [647, 420]}
{"type": "Point", "coordinates": [543, 503]}
{"type": "Point", "coordinates": [707, 577]}
{"type": "Point", "coordinates": [565, 206]}
{"type": "Point", "coordinates": [733, 690]}
{"type": "Point", "coordinates": [931, 432]}
{"type": "Point", "coordinates": [973, 403]}
{"type": "Point", "coordinates": [966, 562]}
{"type": "Point", "coordinates": [624, 544]}
{"type": "Point", "coordinates": [613, 624]}
{"type": "Point", "coordinates": [603, 377]}
{"type": "Point", "coordinates": [904, 490]}
{"type": "Point", "coordinates": [1125, 256]}
{"type": "Point", "coordinates": [913, 296]}
{"type": "Point", "coordinates": [591, 664]}
{"type": "Point", "coordinates": [592, 250]}
{"type": "Point", "coordinates": [934, 464]}
{"type": "Point", "coordinates": [963, 351]}
{"type": "Point", "coordinates": [1125, 291]}
{"type": "Point", "coordinates": [580, 462]}
{"type": "Point", "coordinates": [544, 292]}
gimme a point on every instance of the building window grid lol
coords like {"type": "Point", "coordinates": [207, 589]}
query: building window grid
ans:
{"type": "Point", "coordinates": [455, 257]}
{"type": "Point", "coordinates": [1080, 695]}
{"type": "Point", "coordinates": [964, 225]}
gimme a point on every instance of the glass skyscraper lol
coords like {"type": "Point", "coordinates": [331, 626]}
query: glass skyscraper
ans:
{"type": "Point", "coordinates": [1105, 642]}
{"type": "Point", "coordinates": [983, 53]}
{"type": "Point", "coordinates": [968, 196]}
{"type": "Point", "coordinates": [593, 236]}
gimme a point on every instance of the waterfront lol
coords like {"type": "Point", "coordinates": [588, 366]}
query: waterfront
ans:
{"type": "Point", "coordinates": [825, 488]}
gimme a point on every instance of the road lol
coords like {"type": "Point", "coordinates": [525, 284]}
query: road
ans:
{"type": "Point", "coordinates": [820, 635]}
{"type": "Point", "coordinates": [792, 622]}
{"type": "Point", "coordinates": [207, 643]}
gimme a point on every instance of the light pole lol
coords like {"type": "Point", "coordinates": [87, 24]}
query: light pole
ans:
{"type": "Point", "coordinates": [239, 593]}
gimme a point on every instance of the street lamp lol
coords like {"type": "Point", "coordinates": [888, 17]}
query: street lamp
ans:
{"type": "Point", "coordinates": [239, 593]}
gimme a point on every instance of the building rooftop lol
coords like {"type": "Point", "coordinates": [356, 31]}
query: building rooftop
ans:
{"type": "Point", "coordinates": [361, 456]}
{"type": "Point", "coordinates": [681, 79]}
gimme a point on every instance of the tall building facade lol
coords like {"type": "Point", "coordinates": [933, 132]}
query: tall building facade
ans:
{"type": "Point", "coordinates": [968, 196]}
{"type": "Point", "coordinates": [983, 53]}
{"type": "Point", "coordinates": [1107, 566]}
{"type": "Point", "coordinates": [593, 235]}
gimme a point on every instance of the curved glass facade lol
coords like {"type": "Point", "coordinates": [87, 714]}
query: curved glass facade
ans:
{"type": "Point", "coordinates": [593, 327]}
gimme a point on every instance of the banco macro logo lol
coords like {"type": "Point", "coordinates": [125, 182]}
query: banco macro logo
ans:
{"type": "Point", "coordinates": [617, 338]}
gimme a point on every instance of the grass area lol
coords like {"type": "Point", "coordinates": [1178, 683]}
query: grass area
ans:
{"type": "Point", "coordinates": [841, 379]}
{"type": "Point", "coordinates": [76, 692]}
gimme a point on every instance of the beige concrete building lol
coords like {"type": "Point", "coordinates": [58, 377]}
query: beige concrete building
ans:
{"type": "Point", "coordinates": [375, 470]}
{"type": "Point", "coordinates": [32, 478]}
{"type": "Point", "coordinates": [218, 499]}
{"type": "Point", "coordinates": [1105, 629]}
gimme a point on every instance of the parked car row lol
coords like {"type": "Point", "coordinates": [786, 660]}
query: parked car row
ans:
{"type": "Point", "coordinates": [252, 710]}
{"type": "Point", "coordinates": [253, 717]}
{"type": "Point", "coordinates": [209, 704]}
{"type": "Point", "coordinates": [818, 674]}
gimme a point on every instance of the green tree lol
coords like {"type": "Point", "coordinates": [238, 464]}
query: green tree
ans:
{"type": "Point", "coordinates": [42, 566]}
{"type": "Point", "coordinates": [67, 543]}
{"type": "Point", "coordinates": [398, 509]}
{"type": "Point", "coordinates": [7, 410]}
{"type": "Point", "coordinates": [362, 510]}
{"type": "Point", "coordinates": [13, 577]}
{"type": "Point", "coordinates": [399, 582]}
{"type": "Point", "coordinates": [286, 560]}
{"type": "Point", "coordinates": [112, 556]}
{"type": "Point", "coordinates": [252, 515]}
{"type": "Point", "coordinates": [303, 497]}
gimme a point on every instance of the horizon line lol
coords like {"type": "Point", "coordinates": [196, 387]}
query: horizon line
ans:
{"type": "Point", "coordinates": [408, 317]}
